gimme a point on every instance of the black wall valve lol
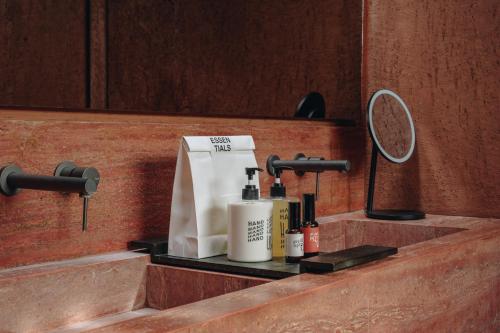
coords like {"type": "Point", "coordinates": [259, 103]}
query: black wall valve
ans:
{"type": "Point", "coordinates": [6, 172]}
{"type": "Point", "coordinates": [69, 169]}
{"type": "Point", "coordinates": [68, 178]}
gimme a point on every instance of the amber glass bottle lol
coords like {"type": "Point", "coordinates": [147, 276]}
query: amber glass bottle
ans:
{"type": "Point", "coordinates": [294, 244]}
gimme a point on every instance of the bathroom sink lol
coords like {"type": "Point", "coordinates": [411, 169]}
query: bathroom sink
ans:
{"type": "Point", "coordinates": [343, 234]}
{"type": "Point", "coordinates": [42, 297]}
{"type": "Point", "coordinates": [88, 292]}
{"type": "Point", "coordinates": [452, 258]}
{"type": "Point", "coordinates": [336, 235]}
{"type": "Point", "coordinates": [95, 291]}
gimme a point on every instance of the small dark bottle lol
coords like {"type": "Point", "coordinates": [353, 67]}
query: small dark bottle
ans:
{"type": "Point", "coordinates": [294, 238]}
{"type": "Point", "coordinates": [310, 227]}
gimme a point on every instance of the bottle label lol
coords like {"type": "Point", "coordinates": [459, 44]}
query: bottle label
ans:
{"type": "Point", "coordinates": [270, 234]}
{"type": "Point", "coordinates": [256, 230]}
{"type": "Point", "coordinates": [280, 224]}
{"type": "Point", "coordinates": [311, 239]}
{"type": "Point", "coordinates": [249, 229]}
{"type": "Point", "coordinates": [294, 245]}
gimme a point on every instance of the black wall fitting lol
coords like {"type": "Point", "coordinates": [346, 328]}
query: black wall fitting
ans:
{"type": "Point", "coordinates": [302, 164]}
{"type": "Point", "coordinates": [312, 106]}
{"type": "Point", "coordinates": [68, 178]}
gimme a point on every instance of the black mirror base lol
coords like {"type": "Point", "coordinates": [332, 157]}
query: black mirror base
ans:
{"type": "Point", "coordinates": [393, 214]}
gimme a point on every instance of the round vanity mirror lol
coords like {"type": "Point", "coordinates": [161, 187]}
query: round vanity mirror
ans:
{"type": "Point", "coordinates": [391, 126]}
{"type": "Point", "coordinates": [393, 135]}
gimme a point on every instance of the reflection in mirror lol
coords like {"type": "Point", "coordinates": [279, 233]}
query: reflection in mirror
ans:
{"type": "Point", "coordinates": [312, 106]}
{"type": "Point", "coordinates": [393, 134]}
{"type": "Point", "coordinates": [235, 58]}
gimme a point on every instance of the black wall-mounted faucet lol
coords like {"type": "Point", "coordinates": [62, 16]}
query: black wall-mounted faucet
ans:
{"type": "Point", "coordinates": [302, 164]}
{"type": "Point", "coordinates": [68, 178]}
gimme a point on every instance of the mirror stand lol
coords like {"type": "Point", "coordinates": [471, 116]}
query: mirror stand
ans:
{"type": "Point", "coordinates": [386, 214]}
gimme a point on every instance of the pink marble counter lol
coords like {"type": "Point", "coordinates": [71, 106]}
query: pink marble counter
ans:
{"type": "Point", "coordinates": [445, 278]}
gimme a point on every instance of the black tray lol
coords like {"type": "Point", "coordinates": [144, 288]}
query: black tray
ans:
{"type": "Point", "coordinates": [274, 269]}
{"type": "Point", "coordinates": [278, 268]}
{"type": "Point", "coordinates": [335, 261]}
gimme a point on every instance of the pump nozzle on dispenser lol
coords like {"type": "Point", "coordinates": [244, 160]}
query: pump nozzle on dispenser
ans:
{"type": "Point", "coordinates": [250, 192]}
{"type": "Point", "coordinates": [251, 172]}
{"type": "Point", "coordinates": [277, 190]}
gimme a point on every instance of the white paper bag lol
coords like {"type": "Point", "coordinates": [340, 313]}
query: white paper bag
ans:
{"type": "Point", "coordinates": [210, 173]}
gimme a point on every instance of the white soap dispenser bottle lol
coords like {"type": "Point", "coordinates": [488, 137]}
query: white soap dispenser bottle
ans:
{"type": "Point", "coordinates": [249, 229]}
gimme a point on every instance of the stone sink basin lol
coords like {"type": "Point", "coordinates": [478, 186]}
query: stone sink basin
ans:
{"type": "Point", "coordinates": [89, 292]}
{"type": "Point", "coordinates": [113, 290]}
{"type": "Point", "coordinates": [347, 233]}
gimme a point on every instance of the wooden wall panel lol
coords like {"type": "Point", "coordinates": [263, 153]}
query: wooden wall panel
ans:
{"type": "Point", "coordinates": [136, 157]}
{"type": "Point", "coordinates": [251, 58]}
{"type": "Point", "coordinates": [97, 53]}
{"type": "Point", "coordinates": [442, 58]}
{"type": "Point", "coordinates": [42, 53]}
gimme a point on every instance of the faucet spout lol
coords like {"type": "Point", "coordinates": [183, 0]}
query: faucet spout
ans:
{"type": "Point", "coordinates": [51, 183]}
